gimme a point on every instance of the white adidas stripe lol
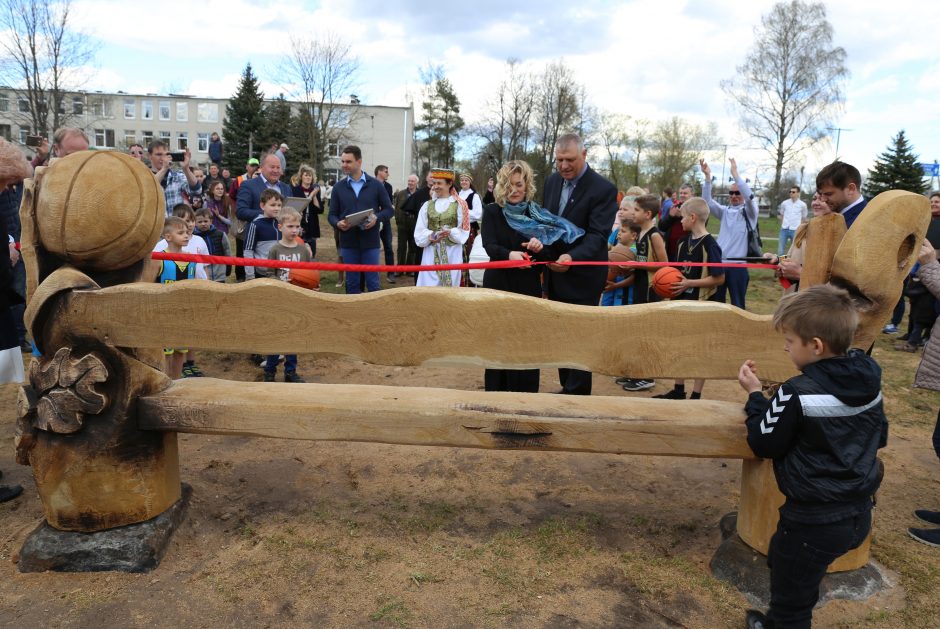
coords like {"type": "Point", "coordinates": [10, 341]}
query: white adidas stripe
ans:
{"type": "Point", "coordinates": [830, 406]}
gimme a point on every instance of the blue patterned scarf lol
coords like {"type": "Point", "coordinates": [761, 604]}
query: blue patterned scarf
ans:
{"type": "Point", "coordinates": [534, 222]}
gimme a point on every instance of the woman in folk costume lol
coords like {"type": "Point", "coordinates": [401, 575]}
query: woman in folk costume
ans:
{"type": "Point", "coordinates": [442, 228]}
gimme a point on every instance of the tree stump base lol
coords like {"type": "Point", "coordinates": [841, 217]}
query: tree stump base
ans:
{"type": "Point", "coordinates": [132, 548]}
{"type": "Point", "coordinates": [746, 570]}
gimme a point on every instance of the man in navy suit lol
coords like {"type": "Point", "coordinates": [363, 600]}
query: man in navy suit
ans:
{"type": "Point", "coordinates": [248, 205]}
{"type": "Point", "coordinates": [358, 244]}
{"type": "Point", "coordinates": [839, 184]}
{"type": "Point", "coordinates": [579, 194]}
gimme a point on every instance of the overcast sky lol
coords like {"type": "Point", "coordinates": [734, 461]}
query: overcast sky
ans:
{"type": "Point", "coordinates": [646, 58]}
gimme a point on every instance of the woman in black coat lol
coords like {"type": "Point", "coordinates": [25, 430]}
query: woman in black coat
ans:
{"type": "Point", "coordinates": [514, 185]}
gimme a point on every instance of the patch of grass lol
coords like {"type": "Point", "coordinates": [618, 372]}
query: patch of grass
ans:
{"type": "Point", "coordinates": [504, 609]}
{"type": "Point", "coordinates": [247, 529]}
{"type": "Point", "coordinates": [557, 539]}
{"type": "Point", "coordinates": [420, 578]}
{"type": "Point", "coordinates": [392, 610]}
{"type": "Point", "coordinates": [662, 577]}
{"type": "Point", "coordinates": [920, 577]}
{"type": "Point", "coordinates": [82, 598]}
{"type": "Point", "coordinates": [225, 591]}
{"type": "Point", "coordinates": [433, 516]}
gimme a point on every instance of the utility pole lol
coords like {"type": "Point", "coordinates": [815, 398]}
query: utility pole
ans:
{"type": "Point", "coordinates": [838, 131]}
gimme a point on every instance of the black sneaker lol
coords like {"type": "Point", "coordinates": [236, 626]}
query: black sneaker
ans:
{"type": "Point", "coordinates": [932, 517]}
{"type": "Point", "coordinates": [391, 278]}
{"type": "Point", "coordinates": [10, 492]}
{"type": "Point", "coordinates": [639, 385]}
{"type": "Point", "coordinates": [754, 619]}
{"type": "Point", "coordinates": [670, 395]}
{"type": "Point", "coordinates": [291, 376]}
{"type": "Point", "coordinates": [931, 537]}
{"type": "Point", "coordinates": [192, 371]}
{"type": "Point", "coordinates": [269, 376]}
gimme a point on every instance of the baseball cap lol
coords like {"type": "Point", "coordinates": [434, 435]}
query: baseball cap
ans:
{"type": "Point", "coordinates": [254, 162]}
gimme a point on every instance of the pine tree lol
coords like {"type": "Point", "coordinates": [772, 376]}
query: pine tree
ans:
{"type": "Point", "coordinates": [441, 123]}
{"type": "Point", "coordinates": [275, 126]}
{"type": "Point", "coordinates": [895, 169]}
{"type": "Point", "coordinates": [244, 118]}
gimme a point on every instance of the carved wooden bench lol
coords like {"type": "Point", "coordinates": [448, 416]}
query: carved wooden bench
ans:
{"type": "Point", "coordinates": [98, 420]}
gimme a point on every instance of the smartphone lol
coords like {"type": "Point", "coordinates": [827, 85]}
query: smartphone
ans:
{"type": "Point", "coordinates": [34, 140]}
{"type": "Point", "coordinates": [178, 156]}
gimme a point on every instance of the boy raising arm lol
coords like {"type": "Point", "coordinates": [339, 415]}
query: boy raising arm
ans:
{"type": "Point", "coordinates": [822, 429]}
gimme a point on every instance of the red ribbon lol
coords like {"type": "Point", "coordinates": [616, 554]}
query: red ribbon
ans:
{"type": "Point", "coordinates": [414, 268]}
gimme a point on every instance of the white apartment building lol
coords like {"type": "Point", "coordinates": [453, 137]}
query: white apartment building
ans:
{"type": "Point", "coordinates": [118, 120]}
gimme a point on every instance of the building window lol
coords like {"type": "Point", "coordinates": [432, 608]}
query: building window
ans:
{"type": "Point", "coordinates": [4, 103]}
{"type": "Point", "coordinates": [182, 140]}
{"type": "Point", "coordinates": [182, 112]}
{"type": "Point", "coordinates": [166, 136]}
{"type": "Point", "coordinates": [6, 132]}
{"type": "Point", "coordinates": [101, 107]}
{"type": "Point", "coordinates": [130, 138]}
{"type": "Point", "coordinates": [207, 112]}
{"type": "Point", "coordinates": [332, 149]}
{"type": "Point", "coordinates": [104, 138]}
{"type": "Point", "coordinates": [164, 110]}
{"type": "Point", "coordinates": [78, 105]}
{"type": "Point", "coordinates": [146, 137]}
{"type": "Point", "coordinates": [130, 109]}
{"type": "Point", "coordinates": [202, 142]}
{"type": "Point", "coordinates": [146, 110]}
{"type": "Point", "coordinates": [330, 174]}
{"type": "Point", "coordinates": [24, 132]}
{"type": "Point", "coordinates": [340, 118]}
{"type": "Point", "coordinates": [23, 104]}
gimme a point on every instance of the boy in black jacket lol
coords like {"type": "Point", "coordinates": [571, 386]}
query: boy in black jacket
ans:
{"type": "Point", "coordinates": [822, 429]}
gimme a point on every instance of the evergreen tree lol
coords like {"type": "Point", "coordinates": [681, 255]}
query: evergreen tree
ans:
{"type": "Point", "coordinates": [303, 138]}
{"type": "Point", "coordinates": [895, 169]}
{"type": "Point", "coordinates": [275, 126]}
{"type": "Point", "coordinates": [244, 118]}
{"type": "Point", "coordinates": [440, 123]}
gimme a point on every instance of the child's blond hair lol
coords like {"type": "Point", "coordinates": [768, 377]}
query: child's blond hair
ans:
{"type": "Point", "coordinates": [696, 206]}
{"type": "Point", "coordinates": [824, 312]}
{"type": "Point", "coordinates": [286, 213]}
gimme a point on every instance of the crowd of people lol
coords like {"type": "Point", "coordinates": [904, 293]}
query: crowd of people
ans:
{"type": "Point", "coordinates": [582, 217]}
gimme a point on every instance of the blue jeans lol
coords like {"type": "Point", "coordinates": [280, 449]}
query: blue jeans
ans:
{"type": "Point", "coordinates": [736, 281]}
{"type": "Point", "coordinates": [290, 363]}
{"type": "Point", "coordinates": [360, 256]}
{"type": "Point", "coordinates": [784, 241]}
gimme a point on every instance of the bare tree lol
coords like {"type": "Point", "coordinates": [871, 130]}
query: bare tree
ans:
{"type": "Point", "coordinates": [42, 58]}
{"type": "Point", "coordinates": [556, 111]}
{"type": "Point", "coordinates": [324, 72]}
{"type": "Point", "coordinates": [676, 148]}
{"type": "Point", "coordinates": [506, 124]}
{"type": "Point", "coordinates": [612, 135]}
{"type": "Point", "coordinates": [790, 85]}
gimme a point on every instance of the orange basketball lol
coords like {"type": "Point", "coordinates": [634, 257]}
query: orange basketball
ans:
{"type": "Point", "coordinates": [305, 278]}
{"type": "Point", "coordinates": [664, 278]}
{"type": "Point", "coordinates": [616, 255]}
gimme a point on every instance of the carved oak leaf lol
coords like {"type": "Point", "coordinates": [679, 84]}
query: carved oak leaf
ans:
{"type": "Point", "coordinates": [67, 390]}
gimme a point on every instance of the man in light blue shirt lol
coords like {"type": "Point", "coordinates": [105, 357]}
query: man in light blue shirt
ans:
{"type": "Point", "coordinates": [732, 236]}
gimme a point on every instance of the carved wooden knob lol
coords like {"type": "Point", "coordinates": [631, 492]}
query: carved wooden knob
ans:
{"type": "Point", "coordinates": [100, 210]}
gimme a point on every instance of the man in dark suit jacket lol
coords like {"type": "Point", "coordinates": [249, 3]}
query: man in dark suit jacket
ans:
{"type": "Point", "coordinates": [839, 185]}
{"type": "Point", "coordinates": [248, 205]}
{"type": "Point", "coordinates": [381, 173]}
{"type": "Point", "coordinates": [579, 194]}
{"type": "Point", "coordinates": [358, 244]}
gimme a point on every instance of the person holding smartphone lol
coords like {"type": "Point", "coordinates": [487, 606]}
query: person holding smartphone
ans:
{"type": "Point", "coordinates": [174, 182]}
